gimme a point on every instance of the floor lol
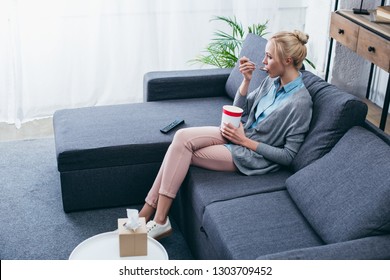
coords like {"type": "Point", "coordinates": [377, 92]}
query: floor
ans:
{"type": "Point", "coordinates": [31, 130]}
{"type": "Point", "coordinates": [374, 115]}
{"type": "Point", "coordinates": [44, 127]}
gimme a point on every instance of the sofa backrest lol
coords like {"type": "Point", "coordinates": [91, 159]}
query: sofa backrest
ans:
{"type": "Point", "coordinates": [253, 48]}
{"type": "Point", "coordinates": [345, 195]}
{"type": "Point", "coordinates": [334, 111]}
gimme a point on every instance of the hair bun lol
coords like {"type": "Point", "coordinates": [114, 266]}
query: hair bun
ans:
{"type": "Point", "coordinates": [302, 37]}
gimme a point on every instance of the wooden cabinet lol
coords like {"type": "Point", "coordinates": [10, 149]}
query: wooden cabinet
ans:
{"type": "Point", "coordinates": [368, 39]}
{"type": "Point", "coordinates": [374, 48]}
{"type": "Point", "coordinates": [344, 31]}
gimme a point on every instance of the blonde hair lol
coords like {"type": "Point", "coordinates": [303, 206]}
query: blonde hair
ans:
{"type": "Point", "coordinates": [291, 44]}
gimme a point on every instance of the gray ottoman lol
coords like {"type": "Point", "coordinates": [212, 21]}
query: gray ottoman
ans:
{"type": "Point", "coordinates": [108, 156]}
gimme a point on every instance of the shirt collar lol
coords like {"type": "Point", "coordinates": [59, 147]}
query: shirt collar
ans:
{"type": "Point", "coordinates": [291, 85]}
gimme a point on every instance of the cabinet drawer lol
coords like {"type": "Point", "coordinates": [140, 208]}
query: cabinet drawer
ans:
{"type": "Point", "coordinates": [344, 31]}
{"type": "Point", "coordinates": [374, 48]}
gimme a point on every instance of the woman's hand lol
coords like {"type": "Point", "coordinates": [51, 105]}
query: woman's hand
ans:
{"type": "Point", "coordinates": [237, 136]}
{"type": "Point", "coordinates": [246, 68]}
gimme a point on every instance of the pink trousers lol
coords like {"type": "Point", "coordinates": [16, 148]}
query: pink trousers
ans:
{"type": "Point", "coordinates": [198, 146]}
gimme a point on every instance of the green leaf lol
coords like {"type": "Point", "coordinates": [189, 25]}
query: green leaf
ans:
{"type": "Point", "coordinates": [233, 23]}
{"type": "Point", "coordinates": [310, 63]}
{"type": "Point", "coordinates": [258, 29]}
{"type": "Point", "coordinates": [224, 48]}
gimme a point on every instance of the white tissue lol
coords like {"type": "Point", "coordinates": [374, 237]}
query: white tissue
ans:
{"type": "Point", "coordinates": [132, 222]}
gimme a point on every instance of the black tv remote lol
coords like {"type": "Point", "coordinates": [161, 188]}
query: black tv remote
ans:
{"type": "Point", "coordinates": [171, 126]}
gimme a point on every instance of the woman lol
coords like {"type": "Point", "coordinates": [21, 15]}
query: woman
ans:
{"type": "Point", "coordinates": [275, 120]}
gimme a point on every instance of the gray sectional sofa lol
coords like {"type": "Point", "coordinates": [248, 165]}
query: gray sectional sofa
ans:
{"type": "Point", "coordinates": [333, 202]}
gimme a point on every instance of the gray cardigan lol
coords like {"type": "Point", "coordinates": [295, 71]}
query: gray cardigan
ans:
{"type": "Point", "coordinates": [280, 135]}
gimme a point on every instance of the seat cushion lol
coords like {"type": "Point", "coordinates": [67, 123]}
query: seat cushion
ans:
{"type": "Point", "coordinates": [204, 187]}
{"type": "Point", "coordinates": [256, 225]}
{"type": "Point", "coordinates": [118, 135]}
{"type": "Point", "coordinates": [346, 194]}
{"type": "Point", "coordinates": [334, 113]}
{"type": "Point", "coordinates": [254, 49]}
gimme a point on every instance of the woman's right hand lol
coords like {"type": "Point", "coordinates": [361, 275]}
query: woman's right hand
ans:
{"type": "Point", "coordinates": [246, 68]}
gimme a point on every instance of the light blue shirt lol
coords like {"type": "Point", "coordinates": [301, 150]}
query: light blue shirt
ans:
{"type": "Point", "coordinates": [272, 100]}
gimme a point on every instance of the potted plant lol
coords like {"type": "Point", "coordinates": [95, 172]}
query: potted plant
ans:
{"type": "Point", "coordinates": [224, 48]}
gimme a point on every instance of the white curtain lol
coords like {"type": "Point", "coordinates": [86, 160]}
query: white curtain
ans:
{"type": "Point", "coordinates": [58, 54]}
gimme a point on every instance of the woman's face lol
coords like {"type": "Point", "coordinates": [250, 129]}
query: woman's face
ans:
{"type": "Point", "coordinates": [272, 61]}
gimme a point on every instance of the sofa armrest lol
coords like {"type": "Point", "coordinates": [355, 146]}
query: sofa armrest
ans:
{"type": "Point", "coordinates": [183, 84]}
{"type": "Point", "coordinates": [369, 248]}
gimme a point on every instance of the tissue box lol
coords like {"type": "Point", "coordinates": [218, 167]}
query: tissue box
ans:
{"type": "Point", "coordinates": [132, 243]}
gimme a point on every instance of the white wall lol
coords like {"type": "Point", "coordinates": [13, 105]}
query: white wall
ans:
{"type": "Point", "coordinates": [74, 53]}
{"type": "Point", "coordinates": [317, 26]}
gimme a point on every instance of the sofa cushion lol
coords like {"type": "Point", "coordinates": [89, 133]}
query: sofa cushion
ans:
{"type": "Point", "coordinates": [369, 248]}
{"type": "Point", "coordinates": [253, 48]}
{"type": "Point", "coordinates": [334, 112]}
{"type": "Point", "coordinates": [252, 226]}
{"type": "Point", "coordinates": [204, 187]}
{"type": "Point", "coordinates": [119, 135]}
{"type": "Point", "coordinates": [346, 194]}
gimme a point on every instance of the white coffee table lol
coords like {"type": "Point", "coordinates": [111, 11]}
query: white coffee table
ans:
{"type": "Point", "coordinates": [105, 246]}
